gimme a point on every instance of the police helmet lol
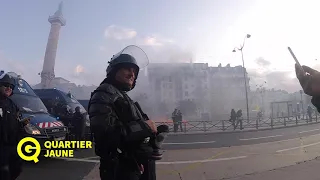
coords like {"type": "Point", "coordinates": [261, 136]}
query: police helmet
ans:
{"type": "Point", "coordinates": [120, 61]}
{"type": "Point", "coordinates": [131, 56]}
{"type": "Point", "coordinates": [6, 79]}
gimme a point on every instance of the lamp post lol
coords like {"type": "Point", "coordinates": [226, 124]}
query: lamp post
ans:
{"type": "Point", "coordinates": [302, 108]}
{"type": "Point", "coordinates": [262, 91]}
{"type": "Point", "coordinates": [244, 72]}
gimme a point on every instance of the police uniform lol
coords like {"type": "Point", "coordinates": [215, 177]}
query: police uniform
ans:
{"type": "Point", "coordinates": [78, 123]}
{"type": "Point", "coordinates": [10, 134]}
{"type": "Point", "coordinates": [121, 136]}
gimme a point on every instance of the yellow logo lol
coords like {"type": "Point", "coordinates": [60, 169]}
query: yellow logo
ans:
{"type": "Point", "coordinates": [28, 149]}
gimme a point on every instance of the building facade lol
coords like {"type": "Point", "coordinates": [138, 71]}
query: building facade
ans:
{"type": "Point", "coordinates": [215, 90]}
{"type": "Point", "coordinates": [227, 90]}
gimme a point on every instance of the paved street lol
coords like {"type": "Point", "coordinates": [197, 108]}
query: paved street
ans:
{"type": "Point", "coordinates": [307, 170]}
{"type": "Point", "coordinates": [200, 141]}
{"type": "Point", "coordinates": [230, 162]}
{"type": "Point", "coordinates": [211, 156]}
{"type": "Point", "coordinates": [53, 169]}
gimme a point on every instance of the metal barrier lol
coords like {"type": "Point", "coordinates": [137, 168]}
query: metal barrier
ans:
{"type": "Point", "coordinates": [227, 125]}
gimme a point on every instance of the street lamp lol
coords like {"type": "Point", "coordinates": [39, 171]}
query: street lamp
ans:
{"type": "Point", "coordinates": [302, 108]}
{"type": "Point", "coordinates": [244, 72]}
{"type": "Point", "coordinates": [262, 91]}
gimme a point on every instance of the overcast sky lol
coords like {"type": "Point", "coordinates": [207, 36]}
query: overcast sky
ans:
{"type": "Point", "coordinates": [204, 31]}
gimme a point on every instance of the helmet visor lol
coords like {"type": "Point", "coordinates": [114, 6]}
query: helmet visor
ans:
{"type": "Point", "coordinates": [137, 53]}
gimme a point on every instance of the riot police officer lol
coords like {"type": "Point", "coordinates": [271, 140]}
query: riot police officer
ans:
{"type": "Point", "coordinates": [121, 132]}
{"type": "Point", "coordinates": [10, 130]}
{"type": "Point", "coordinates": [79, 124]}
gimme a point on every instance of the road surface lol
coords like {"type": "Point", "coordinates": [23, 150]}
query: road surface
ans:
{"type": "Point", "coordinates": [213, 156]}
{"type": "Point", "coordinates": [200, 141]}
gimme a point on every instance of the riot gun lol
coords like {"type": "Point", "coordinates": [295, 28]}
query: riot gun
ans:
{"type": "Point", "coordinates": [157, 141]}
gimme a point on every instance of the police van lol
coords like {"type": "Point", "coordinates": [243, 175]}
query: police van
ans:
{"type": "Point", "coordinates": [43, 126]}
{"type": "Point", "coordinates": [62, 105]}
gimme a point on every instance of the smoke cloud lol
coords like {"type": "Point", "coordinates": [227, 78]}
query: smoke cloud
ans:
{"type": "Point", "coordinates": [262, 62]}
{"type": "Point", "coordinates": [281, 80]}
{"type": "Point", "coordinates": [169, 54]}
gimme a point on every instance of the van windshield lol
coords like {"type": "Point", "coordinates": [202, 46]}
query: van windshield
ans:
{"type": "Point", "coordinates": [31, 104]}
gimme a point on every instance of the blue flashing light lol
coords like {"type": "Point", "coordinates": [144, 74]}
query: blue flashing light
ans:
{"type": "Point", "coordinates": [57, 117]}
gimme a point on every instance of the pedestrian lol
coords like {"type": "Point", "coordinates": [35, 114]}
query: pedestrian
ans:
{"type": "Point", "coordinates": [179, 120]}
{"type": "Point", "coordinates": [175, 120]}
{"type": "Point", "coordinates": [238, 119]}
{"type": "Point", "coordinates": [10, 130]}
{"type": "Point", "coordinates": [259, 115]}
{"type": "Point", "coordinates": [233, 117]}
{"type": "Point", "coordinates": [122, 133]}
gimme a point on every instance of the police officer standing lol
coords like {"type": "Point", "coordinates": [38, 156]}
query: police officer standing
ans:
{"type": "Point", "coordinates": [121, 132]}
{"type": "Point", "coordinates": [78, 123]}
{"type": "Point", "coordinates": [10, 130]}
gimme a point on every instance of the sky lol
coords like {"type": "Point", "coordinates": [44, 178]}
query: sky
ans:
{"type": "Point", "coordinates": [169, 31]}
